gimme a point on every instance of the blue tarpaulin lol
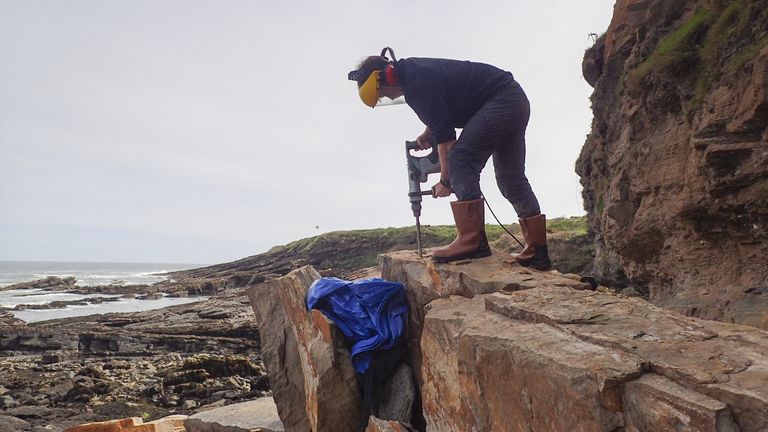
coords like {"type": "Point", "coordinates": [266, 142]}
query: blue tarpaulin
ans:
{"type": "Point", "coordinates": [372, 313]}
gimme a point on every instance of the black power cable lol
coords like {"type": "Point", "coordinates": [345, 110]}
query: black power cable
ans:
{"type": "Point", "coordinates": [500, 224]}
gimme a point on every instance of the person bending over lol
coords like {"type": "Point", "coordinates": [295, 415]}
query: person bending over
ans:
{"type": "Point", "coordinates": [493, 111]}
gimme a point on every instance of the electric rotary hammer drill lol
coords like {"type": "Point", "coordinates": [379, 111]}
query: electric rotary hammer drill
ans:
{"type": "Point", "coordinates": [419, 168]}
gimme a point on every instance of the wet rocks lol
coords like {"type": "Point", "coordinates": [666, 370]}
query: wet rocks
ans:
{"type": "Point", "coordinates": [94, 368]}
{"type": "Point", "coordinates": [48, 282]}
{"type": "Point", "coordinates": [23, 339]}
{"type": "Point", "coordinates": [223, 366]}
{"type": "Point", "coordinates": [60, 304]}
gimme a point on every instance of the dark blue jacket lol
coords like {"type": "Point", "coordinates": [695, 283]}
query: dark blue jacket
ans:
{"type": "Point", "coordinates": [445, 94]}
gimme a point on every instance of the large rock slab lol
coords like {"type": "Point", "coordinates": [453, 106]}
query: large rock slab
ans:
{"type": "Point", "coordinates": [256, 415]}
{"type": "Point", "coordinates": [295, 342]}
{"type": "Point", "coordinates": [504, 348]}
{"type": "Point", "coordinates": [483, 371]}
{"type": "Point", "coordinates": [280, 352]}
{"type": "Point", "coordinates": [426, 281]}
{"type": "Point", "coordinates": [724, 361]}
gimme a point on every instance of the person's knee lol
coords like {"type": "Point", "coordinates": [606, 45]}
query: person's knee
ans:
{"type": "Point", "coordinates": [458, 161]}
{"type": "Point", "coordinates": [512, 185]}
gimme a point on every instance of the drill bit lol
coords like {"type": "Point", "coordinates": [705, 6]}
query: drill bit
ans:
{"type": "Point", "coordinates": [418, 236]}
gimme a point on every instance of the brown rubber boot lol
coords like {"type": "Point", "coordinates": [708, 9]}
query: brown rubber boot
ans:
{"type": "Point", "coordinates": [471, 241]}
{"type": "Point", "coordinates": [535, 254]}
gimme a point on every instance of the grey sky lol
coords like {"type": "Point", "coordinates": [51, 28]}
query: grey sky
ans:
{"type": "Point", "coordinates": [205, 131]}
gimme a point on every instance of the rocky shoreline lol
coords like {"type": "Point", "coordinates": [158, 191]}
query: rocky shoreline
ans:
{"type": "Point", "coordinates": [177, 360]}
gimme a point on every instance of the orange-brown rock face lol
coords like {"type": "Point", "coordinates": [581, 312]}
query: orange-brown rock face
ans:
{"type": "Point", "coordinates": [310, 369]}
{"type": "Point", "coordinates": [503, 348]}
{"type": "Point", "coordinates": [426, 281]}
{"type": "Point", "coordinates": [675, 170]}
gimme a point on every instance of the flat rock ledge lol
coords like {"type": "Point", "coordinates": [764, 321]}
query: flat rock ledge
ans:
{"type": "Point", "coordinates": [256, 415]}
{"type": "Point", "coordinates": [497, 347]}
{"type": "Point", "coordinates": [259, 415]}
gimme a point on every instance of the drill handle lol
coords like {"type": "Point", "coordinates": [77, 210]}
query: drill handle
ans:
{"type": "Point", "coordinates": [420, 167]}
{"type": "Point", "coordinates": [414, 145]}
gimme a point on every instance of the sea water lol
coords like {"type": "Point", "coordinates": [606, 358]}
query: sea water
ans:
{"type": "Point", "coordinates": [86, 274]}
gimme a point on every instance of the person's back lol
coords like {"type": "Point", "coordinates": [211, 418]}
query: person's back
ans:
{"type": "Point", "coordinates": [463, 86]}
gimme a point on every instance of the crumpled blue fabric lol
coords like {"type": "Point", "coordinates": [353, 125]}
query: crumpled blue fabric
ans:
{"type": "Point", "coordinates": [372, 313]}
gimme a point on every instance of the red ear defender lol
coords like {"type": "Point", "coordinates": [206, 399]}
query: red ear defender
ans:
{"type": "Point", "coordinates": [390, 76]}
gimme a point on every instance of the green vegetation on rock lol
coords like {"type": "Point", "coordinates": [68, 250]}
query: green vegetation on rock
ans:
{"type": "Point", "coordinates": [676, 53]}
{"type": "Point", "coordinates": [710, 43]}
{"type": "Point", "coordinates": [352, 250]}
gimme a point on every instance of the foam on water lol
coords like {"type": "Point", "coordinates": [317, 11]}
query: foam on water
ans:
{"type": "Point", "coordinates": [127, 305]}
{"type": "Point", "coordinates": [11, 298]}
{"type": "Point", "coordinates": [88, 274]}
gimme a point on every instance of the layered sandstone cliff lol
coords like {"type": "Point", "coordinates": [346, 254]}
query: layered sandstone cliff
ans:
{"type": "Point", "coordinates": [675, 170]}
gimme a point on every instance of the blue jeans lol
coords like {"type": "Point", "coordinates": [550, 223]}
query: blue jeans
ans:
{"type": "Point", "coordinates": [497, 129]}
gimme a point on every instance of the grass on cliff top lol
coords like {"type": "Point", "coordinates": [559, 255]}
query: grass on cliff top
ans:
{"type": "Point", "coordinates": [575, 225]}
{"type": "Point", "coordinates": [676, 52]}
{"type": "Point", "coordinates": [356, 249]}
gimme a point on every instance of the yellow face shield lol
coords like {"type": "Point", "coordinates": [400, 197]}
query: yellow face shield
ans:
{"type": "Point", "coordinates": [369, 91]}
{"type": "Point", "coordinates": [372, 91]}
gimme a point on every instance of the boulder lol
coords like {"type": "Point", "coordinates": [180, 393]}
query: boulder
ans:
{"type": "Point", "coordinates": [305, 357]}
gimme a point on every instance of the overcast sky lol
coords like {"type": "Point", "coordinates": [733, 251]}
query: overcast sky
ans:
{"type": "Point", "coordinates": [206, 131]}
